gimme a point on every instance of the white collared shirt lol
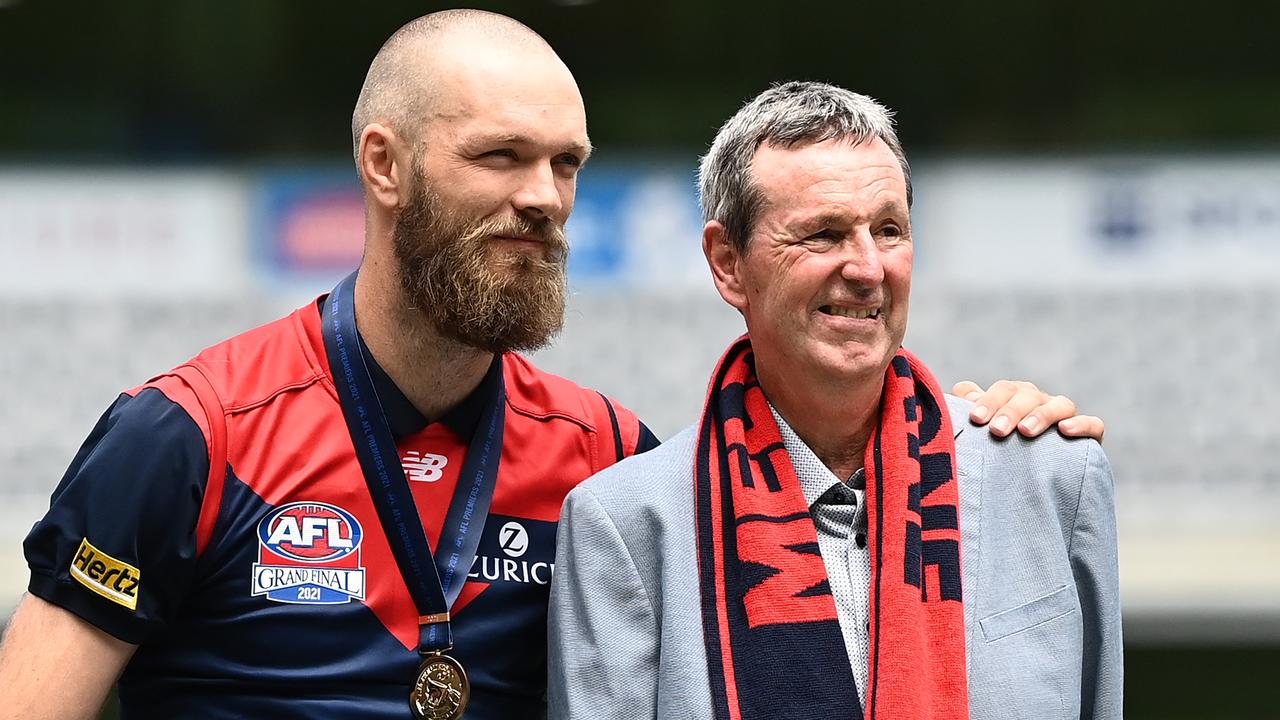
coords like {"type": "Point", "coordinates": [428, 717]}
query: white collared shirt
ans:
{"type": "Point", "coordinates": [839, 515]}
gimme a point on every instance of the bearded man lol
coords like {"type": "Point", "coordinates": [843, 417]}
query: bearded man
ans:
{"type": "Point", "coordinates": [317, 521]}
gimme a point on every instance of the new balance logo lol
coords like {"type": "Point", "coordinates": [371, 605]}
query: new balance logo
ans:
{"type": "Point", "coordinates": [112, 579]}
{"type": "Point", "coordinates": [424, 467]}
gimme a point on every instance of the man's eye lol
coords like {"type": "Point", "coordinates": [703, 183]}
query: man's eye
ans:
{"type": "Point", "coordinates": [891, 230]}
{"type": "Point", "coordinates": [569, 160]}
{"type": "Point", "coordinates": [501, 153]}
{"type": "Point", "coordinates": [826, 234]}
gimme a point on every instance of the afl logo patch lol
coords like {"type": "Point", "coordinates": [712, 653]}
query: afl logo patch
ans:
{"type": "Point", "coordinates": [310, 532]}
{"type": "Point", "coordinates": [309, 552]}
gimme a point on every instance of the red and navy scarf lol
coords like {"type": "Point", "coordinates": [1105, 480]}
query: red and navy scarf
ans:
{"type": "Point", "coordinates": [774, 646]}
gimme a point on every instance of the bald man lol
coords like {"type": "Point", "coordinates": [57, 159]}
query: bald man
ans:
{"type": "Point", "coordinates": [311, 520]}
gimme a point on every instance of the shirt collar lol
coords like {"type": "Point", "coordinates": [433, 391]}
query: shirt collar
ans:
{"type": "Point", "coordinates": [814, 476]}
{"type": "Point", "coordinates": [405, 419]}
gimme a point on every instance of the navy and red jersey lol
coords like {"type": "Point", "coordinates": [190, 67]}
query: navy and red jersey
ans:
{"type": "Point", "coordinates": [269, 589]}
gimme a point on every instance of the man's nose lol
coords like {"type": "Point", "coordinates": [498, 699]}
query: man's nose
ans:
{"type": "Point", "coordinates": [860, 259]}
{"type": "Point", "coordinates": [538, 196]}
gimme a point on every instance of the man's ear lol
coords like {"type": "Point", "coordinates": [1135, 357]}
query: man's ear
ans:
{"type": "Point", "coordinates": [723, 259]}
{"type": "Point", "coordinates": [382, 164]}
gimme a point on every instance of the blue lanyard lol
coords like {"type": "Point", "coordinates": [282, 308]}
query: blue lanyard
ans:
{"type": "Point", "coordinates": [434, 581]}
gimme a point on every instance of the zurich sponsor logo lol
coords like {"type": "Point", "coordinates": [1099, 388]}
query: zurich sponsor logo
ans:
{"type": "Point", "coordinates": [513, 538]}
{"type": "Point", "coordinates": [309, 553]}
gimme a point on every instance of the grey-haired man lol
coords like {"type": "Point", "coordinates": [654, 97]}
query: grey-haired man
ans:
{"type": "Point", "coordinates": [832, 539]}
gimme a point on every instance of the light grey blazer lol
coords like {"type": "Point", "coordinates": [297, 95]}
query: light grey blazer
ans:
{"type": "Point", "coordinates": [1041, 595]}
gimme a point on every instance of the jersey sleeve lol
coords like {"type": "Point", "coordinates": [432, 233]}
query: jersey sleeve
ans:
{"type": "Point", "coordinates": [630, 435]}
{"type": "Point", "coordinates": [647, 440]}
{"type": "Point", "coordinates": [118, 545]}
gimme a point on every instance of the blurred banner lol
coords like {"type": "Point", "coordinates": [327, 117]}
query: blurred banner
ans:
{"type": "Point", "coordinates": [1138, 220]}
{"type": "Point", "coordinates": [1149, 221]}
{"type": "Point", "coordinates": [307, 225]}
{"type": "Point", "coordinates": [105, 233]}
{"type": "Point", "coordinates": [631, 226]}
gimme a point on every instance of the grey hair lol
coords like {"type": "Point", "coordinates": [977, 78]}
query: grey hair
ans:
{"type": "Point", "coordinates": [786, 115]}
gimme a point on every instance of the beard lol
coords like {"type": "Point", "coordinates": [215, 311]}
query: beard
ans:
{"type": "Point", "coordinates": [471, 289]}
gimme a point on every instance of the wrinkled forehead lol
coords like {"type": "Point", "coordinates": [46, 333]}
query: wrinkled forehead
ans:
{"type": "Point", "coordinates": [827, 169]}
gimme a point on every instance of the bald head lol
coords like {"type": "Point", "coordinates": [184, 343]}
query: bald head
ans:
{"type": "Point", "coordinates": [410, 79]}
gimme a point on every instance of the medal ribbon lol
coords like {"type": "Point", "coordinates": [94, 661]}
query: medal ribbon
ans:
{"type": "Point", "coordinates": [434, 581]}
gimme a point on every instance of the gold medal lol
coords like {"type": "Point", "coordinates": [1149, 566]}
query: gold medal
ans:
{"type": "Point", "coordinates": [441, 691]}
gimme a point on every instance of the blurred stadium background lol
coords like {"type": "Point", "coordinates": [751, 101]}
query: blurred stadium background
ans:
{"type": "Point", "coordinates": [1097, 209]}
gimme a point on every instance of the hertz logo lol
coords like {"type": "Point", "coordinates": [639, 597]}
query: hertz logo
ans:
{"type": "Point", "coordinates": [105, 575]}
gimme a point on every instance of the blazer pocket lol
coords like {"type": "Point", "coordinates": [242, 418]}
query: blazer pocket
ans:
{"type": "Point", "coordinates": [1028, 615]}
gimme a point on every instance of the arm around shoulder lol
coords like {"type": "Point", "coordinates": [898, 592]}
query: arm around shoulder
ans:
{"type": "Point", "coordinates": [1096, 569]}
{"type": "Point", "coordinates": [56, 666]}
{"type": "Point", "coordinates": [602, 629]}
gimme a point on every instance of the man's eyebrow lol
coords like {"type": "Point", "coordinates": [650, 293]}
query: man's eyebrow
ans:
{"type": "Point", "coordinates": [578, 148]}
{"type": "Point", "coordinates": [826, 217]}
{"type": "Point", "coordinates": [893, 207]}
{"type": "Point", "coordinates": [842, 217]}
